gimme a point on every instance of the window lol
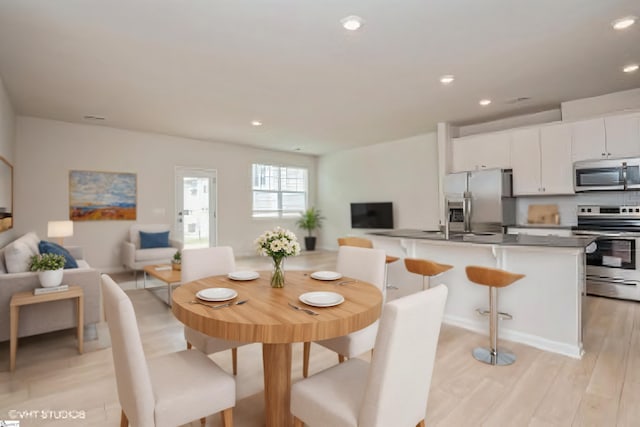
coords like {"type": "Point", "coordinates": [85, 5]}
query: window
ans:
{"type": "Point", "coordinates": [278, 191]}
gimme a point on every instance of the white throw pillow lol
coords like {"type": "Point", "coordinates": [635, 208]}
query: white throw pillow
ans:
{"type": "Point", "coordinates": [3, 268]}
{"type": "Point", "coordinates": [17, 256]}
{"type": "Point", "coordinates": [32, 240]}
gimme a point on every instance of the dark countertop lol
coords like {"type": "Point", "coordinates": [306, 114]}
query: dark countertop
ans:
{"type": "Point", "coordinates": [550, 226]}
{"type": "Point", "coordinates": [579, 242]}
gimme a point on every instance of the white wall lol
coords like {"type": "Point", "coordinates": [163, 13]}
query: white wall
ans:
{"type": "Point", "coordinates": [601, 105]}
{"type": "Point", "coordinates": [542, 117]}
{"type": "Point", "coordinates": [47, 150]}
{"type": "Point", "coordinates": [7, 145]}
{"type": "Point", "coordinates": [404, 172]}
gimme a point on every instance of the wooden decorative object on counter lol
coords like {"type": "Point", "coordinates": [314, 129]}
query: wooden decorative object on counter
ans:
{"type": "Point", "coordinates": [543, 214]}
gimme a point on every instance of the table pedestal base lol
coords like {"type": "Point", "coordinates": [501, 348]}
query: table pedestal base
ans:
{"type": "Point", "coordinates": [276, 359]}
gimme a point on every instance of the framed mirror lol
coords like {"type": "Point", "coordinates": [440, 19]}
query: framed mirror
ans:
{"type": "Point", "coordinates": [6, 195]}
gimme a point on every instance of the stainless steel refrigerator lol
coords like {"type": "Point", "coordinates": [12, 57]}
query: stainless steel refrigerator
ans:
{"type": "Point", "coordinates": [479, 201]}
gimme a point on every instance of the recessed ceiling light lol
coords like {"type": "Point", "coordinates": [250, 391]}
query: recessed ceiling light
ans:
{"type": "Point", "coordinates": [623, 23]}
{"type": "Point", "coordinates": [351, 23]}
{"type": "Point", "coordinates": [631, 68]}
{"type": "Point", "coordinates": [485, 102]}
{"type": "Point", "coordinates": [446, 79]}
{"type": "Point", "coordinates": [256, 123]}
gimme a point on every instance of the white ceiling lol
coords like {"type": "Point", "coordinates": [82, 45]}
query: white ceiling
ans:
{"type": "Point", "coordinates": [206, 68]}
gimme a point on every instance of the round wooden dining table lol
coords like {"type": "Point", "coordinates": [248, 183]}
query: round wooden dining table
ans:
{"type": "Point", "coordinates": [268, 318]}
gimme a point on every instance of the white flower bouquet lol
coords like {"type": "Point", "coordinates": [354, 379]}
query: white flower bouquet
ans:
{"type": "Point", "coordinates": [277, 244]}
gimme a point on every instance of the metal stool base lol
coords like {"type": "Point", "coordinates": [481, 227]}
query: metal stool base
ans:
{"type": "Point", "coordinates": [500, 358]}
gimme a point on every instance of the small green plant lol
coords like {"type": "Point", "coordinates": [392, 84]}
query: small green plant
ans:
{"type": "Point", "coordinates": [310, 220]}
{"type": "Point", "coordinates": [44, 262]}
{"type": "Point", "coordinates": [177, 257]}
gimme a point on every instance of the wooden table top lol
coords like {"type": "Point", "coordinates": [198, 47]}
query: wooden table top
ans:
{"type": "Point", "coordinates": [267, 317]}
{"type": "Point", "coordinates": [27, 297]}
{"type": "Point", "coordinates": [166, 275]}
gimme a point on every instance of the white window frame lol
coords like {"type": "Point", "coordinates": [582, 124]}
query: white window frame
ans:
{"type": "Point", "coordinates": [279, 212]}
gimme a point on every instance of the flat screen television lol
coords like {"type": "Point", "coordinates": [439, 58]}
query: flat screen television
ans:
{"type": "Point", "coordinates": [372, 215]}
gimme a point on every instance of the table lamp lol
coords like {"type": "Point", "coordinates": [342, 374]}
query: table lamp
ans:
{"type": "Point", "coordinates": [60, 230]}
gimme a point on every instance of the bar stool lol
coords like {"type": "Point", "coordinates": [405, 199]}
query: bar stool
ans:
{"type": "Point", "coordinates": [494, 279]}
{"type": "Point", "coordinates": [361, 242]}
{"type": "Point", "coordinates": [425, 268]}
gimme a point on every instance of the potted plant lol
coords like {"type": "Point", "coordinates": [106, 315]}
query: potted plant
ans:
{"type": "Point", "coordinates": [49, 267]}
{"type": "Point", "coordinates": [310, 220]}
{"type": "Point", "coordinates": [176, 262]}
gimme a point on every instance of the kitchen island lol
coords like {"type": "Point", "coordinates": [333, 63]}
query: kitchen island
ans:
{"type": "Point", "coordinates": [546, 305]}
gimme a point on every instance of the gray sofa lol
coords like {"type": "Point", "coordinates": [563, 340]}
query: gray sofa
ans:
{"type": "Point", "coordinates": [51, 316]}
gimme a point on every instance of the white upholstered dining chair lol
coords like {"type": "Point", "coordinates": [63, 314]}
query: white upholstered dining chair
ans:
{"type": "Point", "coordinates": [363, 264]}
{"type": "Point", "coordinates": [170, 390]}
{"type": "Point", "coordinates": [198, 264]}
{"type": "Point", "coordinates": [393, 389]}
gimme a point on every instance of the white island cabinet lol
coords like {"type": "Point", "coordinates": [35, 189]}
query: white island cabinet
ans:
{"type": "Point", "coordinates": [546, 305]}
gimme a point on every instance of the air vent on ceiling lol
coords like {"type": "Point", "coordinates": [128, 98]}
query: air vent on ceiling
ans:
{"type": "Point", "coordinates": [90, 117]}
{"type": "Point", "coordinates": [518, 100]}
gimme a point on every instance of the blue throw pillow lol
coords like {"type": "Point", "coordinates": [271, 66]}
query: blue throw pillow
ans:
{"type": "Point", "coordinates": [53, 248]}
{"type": "Point", "coordinates": [154, 240]}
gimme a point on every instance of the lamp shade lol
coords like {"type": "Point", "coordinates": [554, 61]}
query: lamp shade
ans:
{"type": "Point", "coordinates": [60, 229]}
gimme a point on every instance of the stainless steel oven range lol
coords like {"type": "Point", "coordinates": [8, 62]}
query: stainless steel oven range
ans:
{"type": "Point", "coordinates": [613, 268]}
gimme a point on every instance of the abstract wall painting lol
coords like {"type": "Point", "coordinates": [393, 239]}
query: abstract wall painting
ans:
{"type": "Point", "coordinates": [99, 196]}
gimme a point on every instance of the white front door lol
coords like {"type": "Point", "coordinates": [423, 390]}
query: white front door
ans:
{"type": "Point", "coordinates": [196, 207]}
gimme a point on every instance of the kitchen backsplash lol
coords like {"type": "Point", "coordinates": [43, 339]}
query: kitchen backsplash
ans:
{"type": "Point", "coordinates": [568, 205]}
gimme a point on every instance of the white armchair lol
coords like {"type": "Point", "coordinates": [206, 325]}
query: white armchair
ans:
{"type": "Point", "coordinates": [135, 258]}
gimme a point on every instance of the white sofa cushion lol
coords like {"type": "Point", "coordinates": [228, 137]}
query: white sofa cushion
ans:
{"type": "Point", "coordinates": [154, 254]}
{"type": "Point", "coordinates": [17, 254]}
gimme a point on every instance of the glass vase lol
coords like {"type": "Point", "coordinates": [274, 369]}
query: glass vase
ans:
{"type": "Point", "coordinates": [277, 275]}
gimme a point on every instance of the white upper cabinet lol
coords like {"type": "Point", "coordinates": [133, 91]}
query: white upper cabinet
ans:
{"type": "Point", "coordinates": [556, 168]}
{"type": "Point", "coordinates": [623, 135]}
{"type": "Point", "coordinates": [588, 140]}
{"type": "Point", "coordinates": [541, 160]}
{"type": "Point", "coordinates": [486, 151]}
{"type": "Point", "coordinates": [525, 161]}
{"type": "Point", "coordinates": [606, 138]}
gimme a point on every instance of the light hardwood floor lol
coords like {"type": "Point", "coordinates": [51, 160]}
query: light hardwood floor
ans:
{"type": "Point", "coordinates": [540, 389]}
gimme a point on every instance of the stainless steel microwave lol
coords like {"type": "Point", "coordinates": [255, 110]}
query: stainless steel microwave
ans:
{"type": "Point", "coordinates": [603, 175]}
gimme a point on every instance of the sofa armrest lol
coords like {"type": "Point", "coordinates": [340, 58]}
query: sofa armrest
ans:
{"type": "Point", "coordinates": [77, 252]}
{"type": "Point", "coordinates": [128, 255]}
{"type": "Point", "coordinates": [176, 244]}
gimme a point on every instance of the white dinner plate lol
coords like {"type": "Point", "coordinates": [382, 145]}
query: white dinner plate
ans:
{"type": "Point", "coordinates": [321, 299]}
{"type": "Point", "coordinates": [217, 294]}
{"type": "Point", "coordinates": [326, 275]}
{"type": "Point", "coordinates": [243, 275]}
